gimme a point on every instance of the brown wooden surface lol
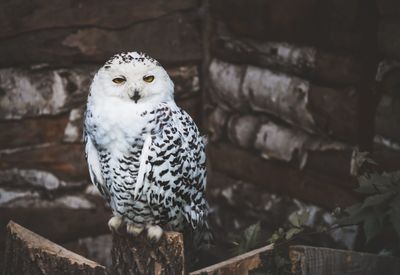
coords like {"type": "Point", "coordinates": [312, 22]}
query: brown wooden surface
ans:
{"type": "Point", "coordinates": [58, 224]}
{"type": "Point", "coordinates": [317, 109]}
{"type": "Point", "coordinates": [67, 161]}
{"type": "Point", "coordinates": [32, 131]}
{"type": "Point", "coordinates": [281, 177]}
{"type": "Point", "coordinates": [19, 16]}
{"type": "Point", "coordinates": [389, 36]}
{"type": "Point", "coordinates": [139, 256]}
{"type": "Point", "coordinates": [325, 261]}
{"type": "Point", "coordinates": [335, 111]}
{"type": "Point", "coordinates": [240, 265]}
{"type": "Point", "coordinates": [332, 25]}
{"type": "Point", "coordinates": [311, 62]}
{"type": "Point", "coordinates": [170, 39]}
{"type": "Point", "coordinates": [29, 253]}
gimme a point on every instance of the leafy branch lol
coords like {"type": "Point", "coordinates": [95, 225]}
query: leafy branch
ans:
{"type": "Point", "coordinates": [380, 208]}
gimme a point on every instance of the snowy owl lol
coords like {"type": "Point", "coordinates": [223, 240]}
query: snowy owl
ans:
{"type": "Point", "coordinates": [145, 155]}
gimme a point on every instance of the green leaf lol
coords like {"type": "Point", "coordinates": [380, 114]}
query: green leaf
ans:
{"type": "Point", "coordinates": [274, 238]}
{"type": "Point", "coordinates": [356, 214]}
{"type": "Point", "coordinates": [383, 182]}
{"type": "Point", "coordinates": [248, 240]}
{"type": "Point", "coordinates": [298, 219]}
{"type": "Point", "coordinates": [377, 199]}
{"type": "Point", "coordinates": [366, 186]}
{"type": "Point", "coordinates": [303, 217]}
{"type": "Point", "coordinates": [372, 227]}
{"type": "Point", "coordinates": [292, 232]}
{"type": "Point", "coordinates": [252, 234]}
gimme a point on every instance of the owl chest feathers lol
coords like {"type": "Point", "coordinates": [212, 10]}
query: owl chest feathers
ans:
{"type": "Point", "coordinates": [119, 126]}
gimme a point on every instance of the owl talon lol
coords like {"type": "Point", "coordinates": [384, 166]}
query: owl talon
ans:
{"type": "Point", "coordinates": [115, 223]}
{"type": "Point", "coordinates": [133, 230]}
{"type": "Point", "coordinates": [154, 233]}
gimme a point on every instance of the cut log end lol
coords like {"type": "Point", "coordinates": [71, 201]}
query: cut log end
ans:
{"type": "Point", "coordinates": [140, 256]}
{"type": "Point", "coordinates": [29, 253]}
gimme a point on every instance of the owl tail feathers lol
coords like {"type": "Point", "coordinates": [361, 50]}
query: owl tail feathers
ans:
{"type": "Point", "coordinates": [202, 237]}
{"type": "Point", "coordinates": [198, 245]}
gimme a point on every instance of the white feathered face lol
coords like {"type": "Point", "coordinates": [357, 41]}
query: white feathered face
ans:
{"type": "Point", "coordinates": [133, 77]}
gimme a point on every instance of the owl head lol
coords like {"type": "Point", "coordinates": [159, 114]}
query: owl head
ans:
{"type": "Point", "coordinates": [134, 77]}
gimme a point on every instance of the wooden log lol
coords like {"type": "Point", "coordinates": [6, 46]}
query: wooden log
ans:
{"type": "Point", "coordinates": [273, 140]}
{"type": "Point", "coordinates": [308, 260]}
{"type": "Point", "coordinates": [325, 261]}
{"type": "Point", "coordinates": [29, 253]}
{"type": "Point", "coordinates": [308, 184]}
{"type": "Point", "coordinates": [32, 131]}
{"type": "Point", "coordinates": [65, 161]}
{"type": "Point", "coordinates": [389, 7]}
{"type": "Point", "coordinates": [18, 16]}
{"type": "Point", "coordinates": [387, 118]}
{"type": "Point", "coordinates": [139, 256]}
{"type": "Point", "coordinates": [170, 39]}
{"type": "Point", "coordinates": [61, 224]}
{"type": "Point", "coordinates": [332, 25]}
{"type": "Point", "coordinates": [387, 157]}
{"type": "Point", "coordinates": [240, 265]}
{"type": "Point", "coordinates": [389, 37]}
{"type": "Point", "coordinates": [295, 100]}
{"type": "Point", "coordinates": [305, 61]}
{"type": "Point", "coordinates": [31, 93]}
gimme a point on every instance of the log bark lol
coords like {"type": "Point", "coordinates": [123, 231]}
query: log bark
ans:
{"type": "Point", "coordinates": [18, 17]}
{"type": "Point", "coordinates": [388, 37]}
{"type": "Point", "coordinates": [387, 118]}
{"type": "Point", "coordinates": [170, 39]}
{"type": "Point", "coordinates": [389, 7]}
{"type": "Point", "coordinates": [29, 253]}
{"type": "Point", "coordinates": [332, 25]}
{"type": "Point", "coordinates": [240, 265]}
{"type": "Point", "coordinates": [308, 62]}
{"type": "Point", "coordinates": [32, 131]}
{"type": "Point", "coordinates": [323, 261]}
{"type": "Point", "coordinates": [60, 224]}
{"type": "Point", "coordinates": [299, 102]}
{"type": "Point", "coordinates": [27, 93]}
{"type": "Point", "coordinates": [65, 161]}
{"type": "Point", "coordinates": [139, 256]}
{"type": "Point", "coordinates": [282, 178]}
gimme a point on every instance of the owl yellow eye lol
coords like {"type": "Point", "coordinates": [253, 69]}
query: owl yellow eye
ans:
{"type": "Point", "coordinates": [148, 78]}
{"type": "Point", "coordinates": [119, 80]}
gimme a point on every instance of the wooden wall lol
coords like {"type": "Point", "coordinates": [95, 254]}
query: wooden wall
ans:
{"type": "Point", "coordinates": [49, 51]}
{"type": "Point", "coordinates": [291, 91]}
{"type": "Point", "coordinates": [285, 90]}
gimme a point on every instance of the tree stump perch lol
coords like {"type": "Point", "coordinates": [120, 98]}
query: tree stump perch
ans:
{"type": "Point", "coordinates": [139, 256]}
{"type": "Point", "coordinates": [28, 253]}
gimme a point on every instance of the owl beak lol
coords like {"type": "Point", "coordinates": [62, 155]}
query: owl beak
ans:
{"type": "Point", "coordinates": [136, 96]}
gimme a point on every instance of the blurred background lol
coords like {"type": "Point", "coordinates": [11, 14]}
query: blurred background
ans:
{"type": "Point", "coordinates": [286, 91]}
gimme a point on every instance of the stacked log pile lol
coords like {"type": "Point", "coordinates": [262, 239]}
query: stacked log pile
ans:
{"type": "Point", "coordinates": [48, 55]}
{"type": "Point", "coordinates": [289, 94]}
{"type": "Point", "coordinates": [387, 120]}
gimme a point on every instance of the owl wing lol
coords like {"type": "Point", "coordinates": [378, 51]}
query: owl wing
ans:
{"type": "Point", "coordinates": [175, 167]}
{"type": "Point", "coordinates": [92, 157]}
